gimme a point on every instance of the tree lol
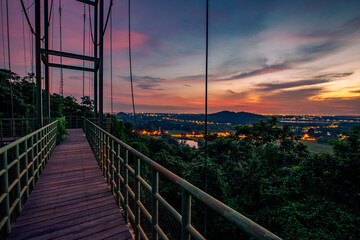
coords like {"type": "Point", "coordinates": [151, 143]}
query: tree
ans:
{"type": "Point", "coordinates": [263, 132]}
{"type": "Point", "coordinates": [15, 94]}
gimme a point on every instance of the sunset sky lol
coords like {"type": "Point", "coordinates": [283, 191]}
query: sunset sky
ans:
{"type": "Point", "coordinates": [298, 57]}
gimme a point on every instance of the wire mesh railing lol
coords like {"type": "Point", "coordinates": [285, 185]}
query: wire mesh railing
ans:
{"type": "Point", "coordinates": [21, 163]}
{"type": "Point", "coordinates": [77, 121]}
{"type": "Point", "coordinates": [121, 166]}
{"type": "Point", "coordinates": [15, 128]}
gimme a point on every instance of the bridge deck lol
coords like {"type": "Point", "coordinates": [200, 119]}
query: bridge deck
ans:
{"type": "Point", "coordinates": [71, 199]}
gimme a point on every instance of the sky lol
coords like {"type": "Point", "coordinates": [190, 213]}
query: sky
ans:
{"type": "Point", "coordinates": [268, 56]}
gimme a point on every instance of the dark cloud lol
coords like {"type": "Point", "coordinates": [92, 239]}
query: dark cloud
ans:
{"type": "Point", "coordinates": [234, 96]}
{"type": "Point", "coordinates": [319, 79]}
{"type": "Point", "coordinates": [146, 82]}
{"type": "Point", "coordinates": [312, 52]}
{"type": "Point", "coordinates": [303, 54]}
{"type": "Point", "coordinates": [168, 108]}
{"type": "Point", "coordinates": [190, 77]}
{"type": "Point", "coordinates": [331, 41]}
{"type": "Point", "coordinates": [355, 91]}
{"type": "Point", "coordinates": [187, 85]}
{"type": "Point", "coordinates": [148, 79]}
{"type": "Point", "coordinates": [264, 70]}
{"type": "Point", "coordinates": [76, 77]}
{"type": "Point", "coordinates": [334, 75]}
{"type": "Point", "coordinates": [302, 101]}
{"type": "Point", "coordinates": [293, 96]}
{"type": "Point", "coordinates": [149, 86]}
{"type": "Point", "coordinates": [342, 30]}
{"type": "Point", "coordinates": [277, 86]}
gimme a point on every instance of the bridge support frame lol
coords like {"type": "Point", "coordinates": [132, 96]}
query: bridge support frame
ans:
{"type": "Point", "coordinates": [42, 55]}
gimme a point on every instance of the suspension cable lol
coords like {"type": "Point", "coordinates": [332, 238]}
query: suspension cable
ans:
{"type": "Point", "coordinates": [50, 15]}
{"type": "Point", "coordinates": [130, 66]}
{"type": "Point", "coordinates": [9, 61]}
{"type": "Point", "coordinates": [30, 5]}
{"type": "Point", "coordinates": [106, 23]}
{"type": "Point", "coordinates": [83, 90]}
{"type": "Point", "coordinates": [61, 90]}
{"type": "Point", "coordinates": [31, 42]}
{"type": "Point", "coordinates": [28, 20]}
{"type": "Point", "coordinates": [23, 30]}
{"type": "Point", "coordinates": [111, 67]}
{"type": "Point", "coordinates": [27, 17]}
{"type": "Point", "coordinates": [89, 64]}
{"type": "Point", "coordinates": [52, 47]}
{"type": "Point", "coordinates": [206, 105]}
{"type": "Point", "coordinates": [107, 20]}
{"type": "Point", "coordinates": [31, 76]}
{"type": "Point", "coordinates": [2, 32]}
{"type": "Point", "coordinates": [91, 32]}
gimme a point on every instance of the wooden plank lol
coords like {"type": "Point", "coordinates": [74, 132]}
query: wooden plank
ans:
{"type": "Point", "coordinates": [57, 213]}
{"type": "Point", "coordinates": [63, 203]}
{"type": "Point", "coordinates": [71, 200]}
{"type": "Point", "coordinates": [31, 215]}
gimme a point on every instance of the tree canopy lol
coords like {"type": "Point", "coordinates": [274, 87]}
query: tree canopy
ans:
{"type": "Point", "coordinates": [270, 177]}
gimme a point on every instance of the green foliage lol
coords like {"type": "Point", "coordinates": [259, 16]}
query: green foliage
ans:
{"type": "Point", "coordinates": [19, 92]}
{"type": "Point", "coordinates": [264, 132]}
{"type": "Point", "coordinates": [348, 148]}
{"type": "Point", "coordinates": [23, 99]}
{"type": "Point", "coordinates": [61, 130]}
{"type": "Point", "coordinates": [68, 106]}
{"type": "Point", "coordinates": [270, 177]}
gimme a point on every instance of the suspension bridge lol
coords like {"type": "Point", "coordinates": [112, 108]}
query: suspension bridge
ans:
{"type": "Point", "coordinates": [92, 185]}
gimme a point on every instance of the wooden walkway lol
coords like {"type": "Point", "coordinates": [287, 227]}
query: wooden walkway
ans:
{"type": "Point", "coordinates": [71, 199]}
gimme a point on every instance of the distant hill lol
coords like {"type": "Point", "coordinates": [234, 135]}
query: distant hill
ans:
{"type": "Point", "coordinates": [122, 115]}
{"type": "Point", "coordinates": [235, 118]}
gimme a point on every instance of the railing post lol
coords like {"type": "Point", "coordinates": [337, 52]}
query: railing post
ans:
{"type": "Point", "coordinates": [103, 154]}
{"type": "Point", "coordinates": [107, 159]}
{"type": "Point", "coordinates": [32, 161]}
{"type": "Point", "coordinates": [154, 204]}
{"type": "Point", "coordinates": [93, 131]}
{"type": "Point", "coordinates": [186, 215]}
{"type": "Point", "coordinates": [17, 176]}
{"type": "Point", "coordinates": [27, 168]}
{"type": "Point", "coordinates": [126, 194]}
{"type": "Point", "coordinates": [1, 131]}
{"type": "Point", "coordinates": [42, 149]}
{"type": "Point", "coordinates": [46, 130]}
{"type": "Point", "coordinates": [118, 172]}
{"type": "Point", "coordinates": [37, 157]}
{"type": "Point", "coordinates": [112, 167]}
{"type": "Point", "coordinates": [101, 151]}
{"type": "Point", "coordinates": [98, 146]}
{"type": "Point", "coordinates": [5, 186]}
{"type": "Point", "coordinates": [13, 128]}
{"type": "Point", "coordinates": [137, 198]}
{"type": "Point", "coordinates": [40, 144]}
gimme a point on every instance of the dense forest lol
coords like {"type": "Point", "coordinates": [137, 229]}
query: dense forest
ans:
{"type": "Point", "coordinates": [21, 94]}
{"type": "Point", "coordinates": [269, 176]}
